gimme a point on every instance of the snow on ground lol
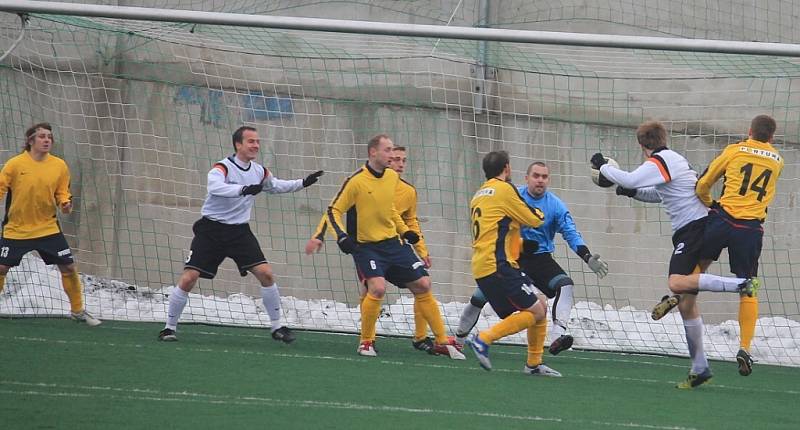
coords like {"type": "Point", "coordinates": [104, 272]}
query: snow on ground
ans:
{"type": "Point", "coordinates": [35, 289]}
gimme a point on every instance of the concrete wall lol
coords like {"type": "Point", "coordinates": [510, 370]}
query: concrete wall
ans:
{"type": "Point", "coordinates": [140, 125]}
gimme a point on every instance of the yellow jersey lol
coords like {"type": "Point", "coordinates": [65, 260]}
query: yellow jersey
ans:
{"type": "Point", "coordinates": [32, 190]}
{"type": "Point", "coordinates": [367, 197]}
{"type": "Point", "coordinates": [751, 170]}
{"type": "Point", "coordinates": [497, 210]}
{"type": "Point", "coordinates": [405, 201]}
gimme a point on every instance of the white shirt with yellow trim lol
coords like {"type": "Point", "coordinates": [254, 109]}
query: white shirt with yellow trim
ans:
{"type": "Point", "coordinates": [665, 177]}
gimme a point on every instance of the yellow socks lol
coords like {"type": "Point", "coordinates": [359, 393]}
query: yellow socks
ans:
{"type": "Point", "coordinates": [513, 323]}
{"type": "Point", "coordinates": [748, 314]}
{"type": "Point", "coordinates": [429, 309]}
{"type": "Point", "coordinates": [536, 335]}
{"type": "Point", "coordinates": [370, 311]}
{"type": "Point", "coordinates": [420, 325]}
{"type": "Point", "coordinates": [72, 286]}
{"type": "Point", "coordinates": [2, 282]}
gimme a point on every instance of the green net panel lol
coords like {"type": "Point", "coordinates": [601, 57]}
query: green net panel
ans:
{"type": "Point", "coordinates": [142, 110]}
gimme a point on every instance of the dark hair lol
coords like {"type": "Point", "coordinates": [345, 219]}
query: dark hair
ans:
{"type": "Point", "coordinates": [239, 134]}
{"type": "Point", "coordinates": [536, 163]}
{"type": "Point", "coordinates": [652, 135]}
{"type": "Point", "coordinates": [375, 141]}
{"type": "Point", "coordinates": [762, 128]}
{"type": "Point", "coordinates": [399, 148]}
{"type": "Point", "coordinates": [494, 163]}
{"type": "Point", "coordinates": [31, 132]}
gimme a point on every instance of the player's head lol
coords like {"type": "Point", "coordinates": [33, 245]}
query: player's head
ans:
{"type": "Point", "coordinates": [496, 163]}
{"type": "Point", "coordinates": [39, 138]}
{"type": "Point", "coordinates": [762, 128]}
{"type": "Point", "coordinates": [538, 178]}
{"type": "Point", "coordinates": [246, 143]}
{"type": "Point", "coordinates": [379, 150]}
{"type": "Point", "coordinates": [651, 136]}
{"type": "Point", "coordinates": [398, 160]}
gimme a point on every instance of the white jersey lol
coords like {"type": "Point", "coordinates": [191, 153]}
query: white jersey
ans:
{"type": "Point", "coordinates": [665, 177]}
{"type": "Point", "coordinates": [225, 202]}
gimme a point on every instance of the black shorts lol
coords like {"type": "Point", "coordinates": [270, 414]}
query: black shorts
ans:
{"type": "Point", "coordinates": [213, 241]}
{"type": "Point", "coordinates": [53, 249]}
{"type": "Point", "coordinates": [687, 243]}
{"type": "Point", "coordinates": [547, 275]}
{"type": "Point", "coordinates": [743, 238]}
{"type": "Point", "coordinates": [508, 290]}
{"type": "Point", "coordinates": [389, 259]}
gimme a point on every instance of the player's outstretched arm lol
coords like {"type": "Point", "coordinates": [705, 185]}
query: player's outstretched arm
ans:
{"type": "Point", "coordinates": [646, 175]}
{"type": "Point", "coordinates": [273, 185]}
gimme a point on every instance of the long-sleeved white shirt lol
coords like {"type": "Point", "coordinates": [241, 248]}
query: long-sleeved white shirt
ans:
{"type": "Point", "coordinates": [225, 202]}
{"type": "Point", "coordinates": [664, 177]}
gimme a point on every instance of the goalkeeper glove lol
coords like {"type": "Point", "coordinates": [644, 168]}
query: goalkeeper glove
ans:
{"type": "Point", "coordinates": [312, 178]}
{"type": "Point", "coordinates": [621, 191]}
{"type": "Point", "coordinates": [411, 237]}
{"type": "Point", "coordinates": [347, 245]}
{"type": "Point", "coordinates": [597, 265]}
{"type": "Point", "coordinates": [598, 160]}
{"type": "Point", "coordinates": [251, 190]}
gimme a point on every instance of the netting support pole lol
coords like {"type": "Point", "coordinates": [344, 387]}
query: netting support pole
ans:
{"type": "Point", "coordinates": [479, 72]}
{"type": "Point", "coordinates": [399, 29]}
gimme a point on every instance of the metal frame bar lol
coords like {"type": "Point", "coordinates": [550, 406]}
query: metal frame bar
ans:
{"type": "Point", "coordinates": [398, 29]}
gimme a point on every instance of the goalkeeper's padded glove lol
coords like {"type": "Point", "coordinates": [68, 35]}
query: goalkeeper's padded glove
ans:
{"type": "Point", "coordinates": [251, 190]}
{"type": "Point", "coordinates": [312, 178]}
{"type": "Point", "coordinates": [411, 237]}
{"type": "Point", "coordinates": [597, 265]}
{"type": "Point", "coordinates": [347, 245]}
{"type": "Point", "coordinates": [621, 191]}
{"type": "Point", "coordinates": [598, 160]}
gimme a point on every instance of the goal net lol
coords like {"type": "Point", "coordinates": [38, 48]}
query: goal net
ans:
{"type": "Point", "coordinates": [141, 111]}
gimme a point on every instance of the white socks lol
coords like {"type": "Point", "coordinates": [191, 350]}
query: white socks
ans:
{"type": "Point", "coordinates": [694, 340]}
{"type": "Point", "coordinates": [718, 284]}
{"type": "Point", "coordinates": [563, 307]}
{"type": "Point", "coordinates": [177, 301]}
{"type": "Point", "coordinates": [468, 319]}
{"type": "Point", "coordinates": [272, 303]}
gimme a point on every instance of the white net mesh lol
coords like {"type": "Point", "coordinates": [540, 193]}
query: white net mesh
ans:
{"type": "Point", "coordinates": [141, 111]}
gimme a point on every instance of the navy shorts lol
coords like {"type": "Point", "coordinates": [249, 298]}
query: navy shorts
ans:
{"type": "Point", "coordinates": [687, 244]}
{"type": "Point", "coordinates": [546, 273]}
{"type": "Point", "coordinates": [743, 238]}
{"type": "Point", "coordinates": [508, 290]}
{"type": "Point", "coordinates": [213, 241]}
{"type": "Point", "coordinates": [388, 259]}
{"type": "Point", "coordinates": [53, 249]}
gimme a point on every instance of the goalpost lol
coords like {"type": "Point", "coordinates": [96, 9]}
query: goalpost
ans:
{"type": "Point", "coordinates": [142, 109]}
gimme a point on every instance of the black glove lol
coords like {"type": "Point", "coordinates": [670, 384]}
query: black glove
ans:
{"type": "Point", "coordinates": [598, 160]}
{"type": "Point", "coordinates": [346, 244]}
{"type": "Point", "coordinates": [251, 190]}
{"type": "Point", "coordinates": [530, 246]}
{"type": "Point", "coordinates": [627, 192]}
{"type": "Point", "coordinates": [312, 178]}
{"type": "Point", "coordinates": [411, 237]}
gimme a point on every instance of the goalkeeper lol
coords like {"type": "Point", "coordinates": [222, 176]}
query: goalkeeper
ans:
{"type": "Point", "coordinates": [536, 258]}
